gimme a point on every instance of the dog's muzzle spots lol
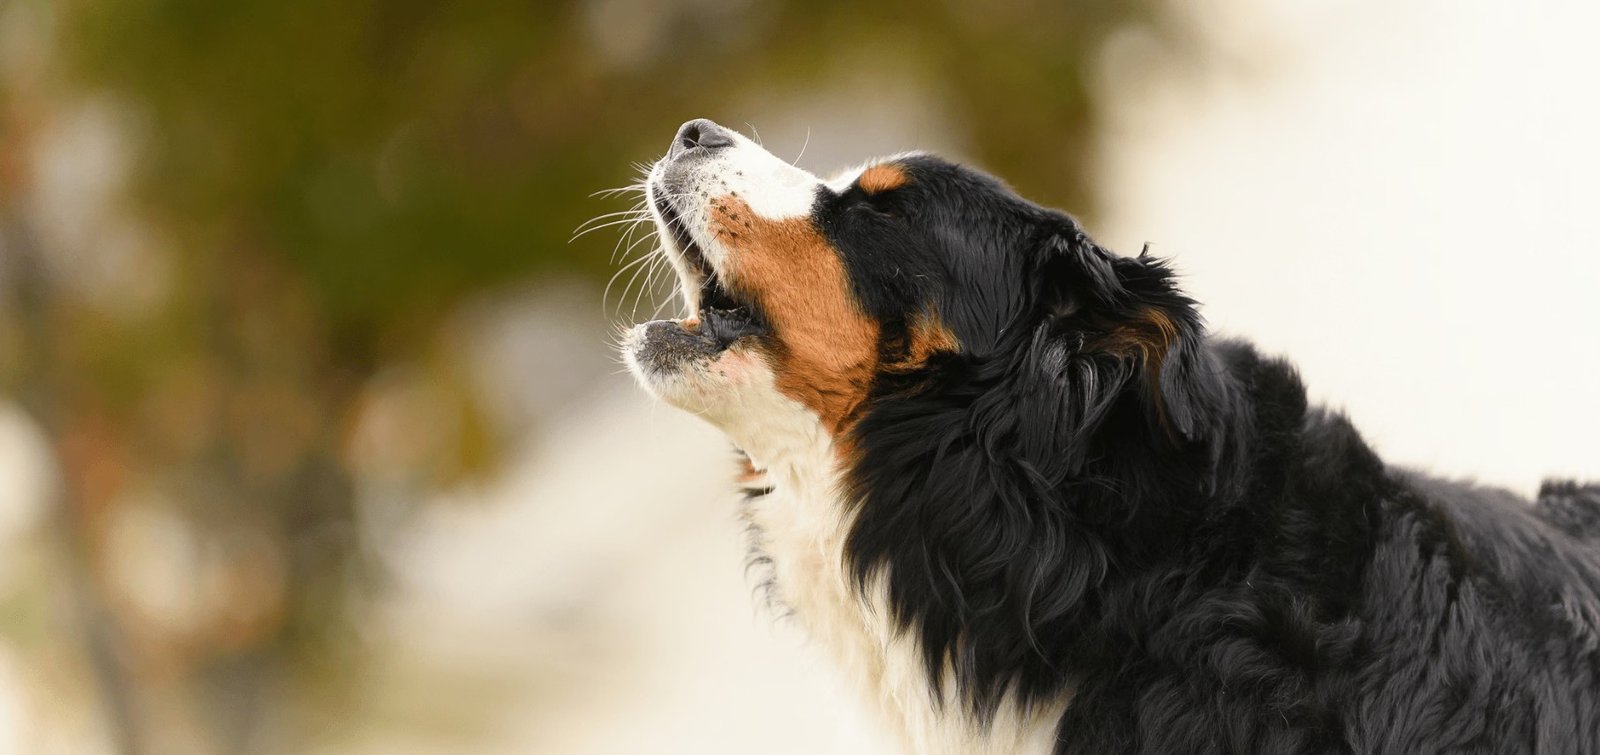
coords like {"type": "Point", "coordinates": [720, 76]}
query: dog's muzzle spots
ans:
{"type": "Point", "coordinates": [666, 346]}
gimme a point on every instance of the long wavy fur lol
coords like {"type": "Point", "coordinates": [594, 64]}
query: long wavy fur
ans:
{"type": "Point", "coordinates": [1094, 498]}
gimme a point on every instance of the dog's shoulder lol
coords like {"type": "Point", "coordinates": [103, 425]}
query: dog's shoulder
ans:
{"type": "Point", "coordinates": [1571, 507]}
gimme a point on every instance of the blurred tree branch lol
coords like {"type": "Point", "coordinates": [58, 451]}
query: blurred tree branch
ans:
{"type": "Point", "coordinates": [38, 386]}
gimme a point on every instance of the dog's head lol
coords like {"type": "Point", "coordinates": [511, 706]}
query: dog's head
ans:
{"type": "Point", "coordinates": [815, 304]}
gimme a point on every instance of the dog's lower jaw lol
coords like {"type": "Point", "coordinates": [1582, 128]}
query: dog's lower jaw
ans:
{"type": "Point", "coordinates": [802, 526]}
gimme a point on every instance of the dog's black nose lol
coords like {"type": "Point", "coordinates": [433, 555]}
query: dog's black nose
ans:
{"type": "Point", "coordinates": [700, 133]}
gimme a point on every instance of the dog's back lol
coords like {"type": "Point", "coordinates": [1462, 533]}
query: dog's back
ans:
{"type": "Point", "coordinates": [1483, 614]}
{"type": "Point", "coordinates": [1571, 507]}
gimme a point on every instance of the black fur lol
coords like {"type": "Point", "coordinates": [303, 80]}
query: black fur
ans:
{"type": "Point", "coordinates": [1091, 497]}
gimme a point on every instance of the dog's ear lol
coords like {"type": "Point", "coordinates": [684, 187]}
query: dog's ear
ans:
{"type": "Point", "coordinates": [1112, 333]}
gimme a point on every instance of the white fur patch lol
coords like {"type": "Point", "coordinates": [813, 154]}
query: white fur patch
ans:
{"type": "Point", "coordinates": [772, 188]}
{"type": "Point", "coordinates": [804, 524]}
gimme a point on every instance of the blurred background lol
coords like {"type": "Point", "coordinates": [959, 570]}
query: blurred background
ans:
{"type": "Point", "coordinates": [311, 435]}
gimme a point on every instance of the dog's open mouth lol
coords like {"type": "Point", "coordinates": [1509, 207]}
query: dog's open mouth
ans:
{"type": "Point", "coordinates": [723, 316]}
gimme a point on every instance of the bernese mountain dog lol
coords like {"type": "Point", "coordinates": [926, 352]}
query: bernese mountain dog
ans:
{"type": "Point", "coordinates": [1011, 485]}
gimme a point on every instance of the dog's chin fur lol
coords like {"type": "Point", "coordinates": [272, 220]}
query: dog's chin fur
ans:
{"type": "Point", "coordinates": [1008, 481]}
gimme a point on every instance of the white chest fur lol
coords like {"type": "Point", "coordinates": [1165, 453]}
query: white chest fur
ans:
{"type": "Point", "coordinates": [800, 529]}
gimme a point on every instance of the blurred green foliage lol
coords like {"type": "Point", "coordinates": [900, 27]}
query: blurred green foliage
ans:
{"type": "Point", "coordinates": [399, 154]}
{"type": "Point", "coordinates": [328, 180]}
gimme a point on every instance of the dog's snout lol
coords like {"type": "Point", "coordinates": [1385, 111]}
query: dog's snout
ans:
{"type": "Point", "coordinates": [700, 133]}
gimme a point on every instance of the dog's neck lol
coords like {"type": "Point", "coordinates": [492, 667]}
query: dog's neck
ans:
{"type": "Point", "coordinates": [799, 521]}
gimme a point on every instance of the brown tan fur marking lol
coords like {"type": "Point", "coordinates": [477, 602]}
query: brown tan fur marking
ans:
{"type": "Point", "coordinates": [925, 336]}
{"type": "Point", "coordinates": [1147, 336]}
{"type": "Point", "coordinates": [827, 347]}
{"type": "Point", "coordinates": [1150, 333]}
{"type": "Point", "coordinates": [881, 178]}
{"type": "Point", "coordinates": [929, 335]}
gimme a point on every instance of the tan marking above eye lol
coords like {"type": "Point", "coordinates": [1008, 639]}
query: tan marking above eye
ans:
{"type": "Point", "coordinates": [826, 348]}
{"type": "Point", "coordinates": [881, 178]}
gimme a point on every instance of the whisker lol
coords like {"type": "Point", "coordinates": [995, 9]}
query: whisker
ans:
{"type": "Point", "coordinates": [611, 224]}
{"type": "Point", "coordinates": [634, 210]}
{"type": "Point", "coordinates": [627, 236]}
{"type": "Point", "coordinates": [616, 248]}
{"type": "Point", "coordinates": [664, 290]}
{"type": "Point", "coordinates": [796, 161]}
{"type": "Point", "coordinates": [647, 259]}
{"type": "Point", "coordinates": [660, 292]}
{"type": "Point", "coordinates": [638, 188]}
{"type": "Point", "coordinates": [606, 294]}
{"type": "Point", "coordinates": [651, 288]}
{"type": "Point", "coordinates": [633, 313]}
{"type": "Point", "coordinates": [645, 276]}
{"type": "Point", "coordinates": [669, 298]}
{"type": "Point", "coordinates": [614, 220]}
{"type": "Point", "coordinates": [642, 239]}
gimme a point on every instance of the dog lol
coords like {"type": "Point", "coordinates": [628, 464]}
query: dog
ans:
{"type": "Point", "coordinates": [1028, 505]}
